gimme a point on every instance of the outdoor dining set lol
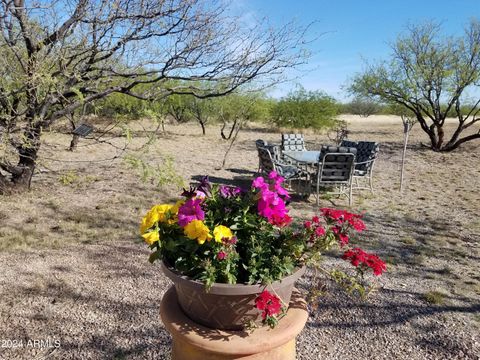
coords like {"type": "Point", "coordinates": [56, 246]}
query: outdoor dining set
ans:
{"type": "Point", "coordinates": [345, 167]}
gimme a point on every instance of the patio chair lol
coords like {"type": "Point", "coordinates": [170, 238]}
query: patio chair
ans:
{"type": "Point", "coordinates": [348, 143]}
{"type": "Point", "coordinates": [367, 152]}
{"type": "Point", "coordinates": [293, 142]}
{"type": "Point", "coordinates": [269, 161]}
{"type": "Point", "coordinates": [260, 143]}
{"type": "Point", "coordinates": [335, 169]}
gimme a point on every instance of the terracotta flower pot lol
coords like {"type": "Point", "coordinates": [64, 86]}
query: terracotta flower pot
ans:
{"type": "Point", "coordinates": [225, 306]}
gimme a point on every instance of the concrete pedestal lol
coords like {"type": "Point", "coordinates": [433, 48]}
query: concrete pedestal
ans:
{"type": "Point", "coordinates": [192, 341]}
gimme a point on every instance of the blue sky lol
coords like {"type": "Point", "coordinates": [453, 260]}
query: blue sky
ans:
{"type": "Point", "coordinates": [354, 30]}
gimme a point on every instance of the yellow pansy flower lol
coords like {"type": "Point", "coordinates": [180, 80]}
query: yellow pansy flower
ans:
{"type": "Point", "coordinates": [148, 221]}
{"type": "Point", "coordinates": [151, 237]}
{"type": "Point", "coordinates": [162, 211]}
{"type": "Point", "coordinates": [158, 213]}
{"type": "Point", "coordinates": [221, 232]}
{"type": "Point", "coordinates": [174, 209]}
{"type": "Point", "coordinates": [196, 229]}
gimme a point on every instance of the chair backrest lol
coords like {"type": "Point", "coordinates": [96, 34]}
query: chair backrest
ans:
{"type": "Point", "coordinates": [267, 156]}
{"type": "Point", "coordinates": [260, 143]}
{"type": "Point", "coordinates": [293, 142]}
{"type": "Point", "coordinates": [366, 151]}
{"type": "Point", "coordinates": [336, 149]}
{"type": "Point", "coordinates": [348, 143]}
{"type": "Point", "coordinates": [336, 168]}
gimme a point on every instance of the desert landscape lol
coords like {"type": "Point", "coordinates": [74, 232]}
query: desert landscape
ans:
{"type": "Point", "coordinates": [74, 269]}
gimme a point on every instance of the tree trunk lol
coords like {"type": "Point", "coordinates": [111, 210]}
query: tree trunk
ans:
{"type": "Point", "coordinates": [74, 143]}
{"type": "Point", "coordinates": [5, 186]}
{"type": "Point", "coordinates": [28, 151]}
{"type": "Point", "coordinates": [202, 124]}
{"type": "Point", "coordinates": [23, 180]}
{"type": "Point", "coordinates": [440, 136]}
{"type": "Point", "coordinates": [232, 129]}
{"type": "Point", "coordinates": [232, 141]}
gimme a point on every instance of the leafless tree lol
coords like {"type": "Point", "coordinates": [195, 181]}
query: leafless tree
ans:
{"type": "Point", "coordinates": [56, 56]}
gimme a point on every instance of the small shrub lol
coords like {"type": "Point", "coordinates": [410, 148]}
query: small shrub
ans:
{"type": "Point", "coordinates": [162, 175]}
{"type": "Point", "coordinates": [69, 178]}
{"type": "Point", "coordinates": [362, 106]}
{"type": "Point", "coordinates": [434, 297]}
{"type": "Point", "coordinates": [409, 240]}
{"type": "Point", "coordinates": [305, 109]}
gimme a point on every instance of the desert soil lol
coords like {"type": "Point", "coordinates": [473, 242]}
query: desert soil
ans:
{"type": "Point", "coordinates": [75, 275]}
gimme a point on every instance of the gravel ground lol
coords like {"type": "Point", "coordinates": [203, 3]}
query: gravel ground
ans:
{"type": "Point", "coordinates": [74, 275]}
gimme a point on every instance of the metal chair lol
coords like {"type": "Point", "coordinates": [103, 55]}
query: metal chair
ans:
{"type": "Point", "coordinates": [269, 161]}
{"type": "Point", "coordinates": [367, 152]}
{"type": "Point", "coordinates": [348, 143]}
{"type": "Point", "coordinates": [335, 169]}
{"type": "Point", "coordinates": [260, 143]}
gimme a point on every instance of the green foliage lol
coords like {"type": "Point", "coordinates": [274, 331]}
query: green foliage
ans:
{"type": "Point", "coordinates": [68, 178]}
{"type": "Point", "coordinates": [177, 106]}
{"type": "Point", "coordinates": [222, 236]}
{"type": "Point", "coordinates": [430, 76]}
{"type": "Point", "coordinates": [361, 106]}
{"type": "Point", "coordinates": [160, 174]}
{"type": "Point", "coordinates": [243, 106]}
{"type": "Point", "coordinates": [71, 178]}
{"type": "Point", "coordinates": [305, 109]}
{"type": "Point", "coordinates": [435, 297]}
{"type": "Point", "coordinates": [118, 105]}
{"type": "Point", "coordinates": [350, 283]}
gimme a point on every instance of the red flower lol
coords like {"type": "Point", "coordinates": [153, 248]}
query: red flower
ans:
{"type": "Point", "coordinates": [357, 224]}
{"type": "Point", "coordinates": [307, 224]}
{"type": "Point", "coordinates": [319, 231]}
{"type": "Point", "coordinates": [316, 219]}
{"type": "Point", "coordinates": [340, 235]}
{"type": "Point", "coordinates": [359, 257]}
{"type": "Point", "coordinates": [280, 221]}
{"type": "Point", "coordinates": [221, 255]}
{"type": "Point", "coordinates": [332, 214]}
{"type": "Point", "coordinates": [268, 303]}
{"type": "Point", "coordinates": [342, 216]}
{"type": "Point", "coordinates": [356, 256]}
{"type": "Point", "coordinates": [376, 264]}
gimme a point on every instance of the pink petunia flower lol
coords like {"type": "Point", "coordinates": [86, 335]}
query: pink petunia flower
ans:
{"type": "Point", "coordinates": [190, 211]}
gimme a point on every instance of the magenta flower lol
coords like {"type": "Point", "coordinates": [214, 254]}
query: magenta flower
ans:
{"type": "Point", "coordinates": [229, 191]}
{"type": "Point", "coordinates": [259, 183]}
{"type": "Point", "coordinates": [270, 204]}
{"type": "Point", "coordinates": [204, 188]}
{"type": "Point", "coordinates": [190, 211]}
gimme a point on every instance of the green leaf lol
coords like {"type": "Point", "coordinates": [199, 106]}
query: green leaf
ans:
{"type": "Point", "coordinates": [78, 93]}
{"type": "Point", "coordinates": [154, 256]}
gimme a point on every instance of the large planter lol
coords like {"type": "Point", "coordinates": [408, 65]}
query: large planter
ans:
{"type": "Point", "coordinates": [225, 306]}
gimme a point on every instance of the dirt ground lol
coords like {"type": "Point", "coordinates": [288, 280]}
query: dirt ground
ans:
{"type": "Point", "coordinates": [75, 277]}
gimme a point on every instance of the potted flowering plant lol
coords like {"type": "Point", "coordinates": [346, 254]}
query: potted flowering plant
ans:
{"type": "Point", "coordinates": [226, 241]}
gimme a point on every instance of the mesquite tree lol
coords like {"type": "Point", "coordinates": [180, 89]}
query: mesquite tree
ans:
{"type": "Point", "coordinates": [56, 56]}
{"type": "Point", "coordinates": [432, 77]}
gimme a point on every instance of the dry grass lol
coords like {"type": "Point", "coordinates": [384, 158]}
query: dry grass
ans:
{"type": "Point", "coordinates": [75, 201]}
{"type": "Point", "coordinates": [429, 234]}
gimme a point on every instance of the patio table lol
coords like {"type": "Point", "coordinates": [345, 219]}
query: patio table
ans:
{"type": "Point", "coordinates": [307, 160]}
{"type": "Point", "coordinates": [303, 157]}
